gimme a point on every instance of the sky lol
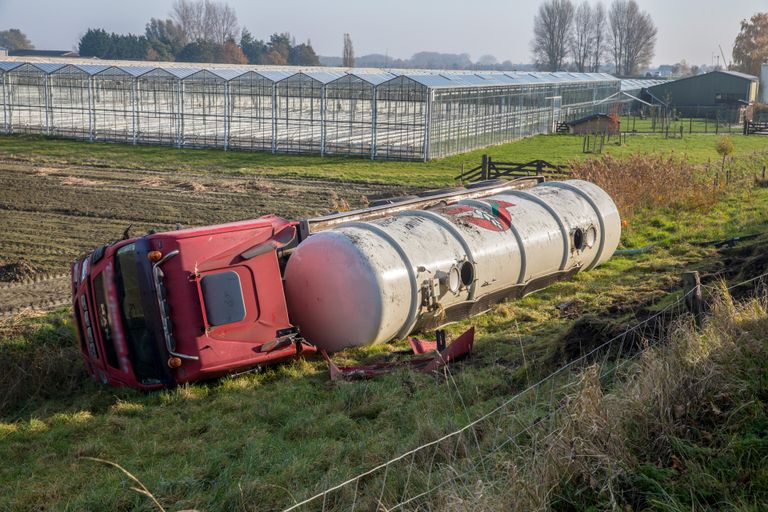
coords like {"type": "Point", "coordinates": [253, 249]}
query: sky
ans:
{"type": "Point", "coordinates": [688, 29]}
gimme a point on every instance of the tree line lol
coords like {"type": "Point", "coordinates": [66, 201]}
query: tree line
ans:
{"type": "Point", "coordinates": [585, 37]}
{"type": "Point", "coordinates": [198, 31]}
{"type": "Point", "coordinates": [750, 50]}
{"type": "Point", "coordinates": [15, 39]}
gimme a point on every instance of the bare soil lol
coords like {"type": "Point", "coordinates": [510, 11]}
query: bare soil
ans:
{"type": "Point", "coordinates": [41, 293]}
{"type": "Point", "coordinates": [53, 214]}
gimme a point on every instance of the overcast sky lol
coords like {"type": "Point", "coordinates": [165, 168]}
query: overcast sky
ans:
{"type": "Point", "coordinates": [688, 29]}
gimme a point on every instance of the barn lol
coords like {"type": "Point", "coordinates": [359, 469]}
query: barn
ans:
{"type": "Point", "coordinates": [711, 94]}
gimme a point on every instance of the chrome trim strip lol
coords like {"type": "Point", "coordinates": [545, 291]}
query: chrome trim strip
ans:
{"type": "Point", "coordinates": [157, 275]}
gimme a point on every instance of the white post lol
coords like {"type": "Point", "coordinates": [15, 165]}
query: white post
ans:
{"type": "Point", "coordinates": [274, 118]}
{"type": "Point", "coordinates": [374, 116]}
{"type": "Point", "coordinates": [134, 109]}
{"type": "Point", "coordinates": [5, 105]}
{"type": "Point", "coordinates": [46, 94]}
{"type": "Point", "coordinates": [427, 119]}
{"type": "Point", "coordinates": [322, 120]}
{"type": "Point", "coordinates": [91, 114]}
{"type": "Point", "coordinates": [226, 115]}
{"type": "Point", "coordinates": [180, 125]}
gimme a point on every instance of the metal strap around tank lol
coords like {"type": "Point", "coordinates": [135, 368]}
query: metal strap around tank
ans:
{"type": "Point", "coordinates": [536, 199]}
{"type": "Point", "coordinates": [523, 257]}
{"type": "Point", "coordinates": [413, 310]}
{"type": "Point", "coordinates": [577, 190]}
{"type": "Point", "coordinates": [444, 223]}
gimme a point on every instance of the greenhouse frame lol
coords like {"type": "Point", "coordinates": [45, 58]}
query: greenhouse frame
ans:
{"type": "Point", "coordinates": [388, 115]}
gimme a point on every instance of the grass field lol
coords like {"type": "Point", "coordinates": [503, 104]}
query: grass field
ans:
{"type": "Point", "coordinates": [698, 148]}
{"type": "Point", "coordinates": [262, 440]}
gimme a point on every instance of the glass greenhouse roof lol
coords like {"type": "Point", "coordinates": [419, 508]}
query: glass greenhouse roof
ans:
{"type": "Point", "coordinates": [432, 79]}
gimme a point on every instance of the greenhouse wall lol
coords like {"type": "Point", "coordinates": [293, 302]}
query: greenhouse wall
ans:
{"type": "Point", "coordinates": [409, 115]}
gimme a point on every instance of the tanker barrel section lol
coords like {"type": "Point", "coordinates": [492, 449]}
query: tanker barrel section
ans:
{"type": "Point", "coordinates": [361, 283]}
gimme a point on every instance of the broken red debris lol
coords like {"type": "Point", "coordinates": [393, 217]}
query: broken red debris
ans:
{"type": "Point", "coordinates": [459, 348]}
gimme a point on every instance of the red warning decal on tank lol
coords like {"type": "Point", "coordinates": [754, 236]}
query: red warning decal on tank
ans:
{"type": "Point", "coordinates": [495, 219]}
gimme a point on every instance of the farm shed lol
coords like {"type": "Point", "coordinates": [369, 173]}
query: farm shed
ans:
{"type": "Point", "coordinates": [595, 123]}
{"type": "Point", "coordinates": [707, 95]}
{"type": "Point", "coordinates": [401, 115]}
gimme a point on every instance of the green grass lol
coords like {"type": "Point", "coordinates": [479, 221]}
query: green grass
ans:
{"type": "Point", "coordinates": [260, 440]}
{"type": "Point", "coordinates": [256, 441]}
{"type": "Point", "coordinates": [557, 149]}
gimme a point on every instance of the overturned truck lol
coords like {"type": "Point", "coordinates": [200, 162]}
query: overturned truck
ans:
{"type": "Point", "coordinates": [194, 304]}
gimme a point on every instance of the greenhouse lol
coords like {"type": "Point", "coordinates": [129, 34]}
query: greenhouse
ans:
{"type": "Point", "coordinates": [396, 115]}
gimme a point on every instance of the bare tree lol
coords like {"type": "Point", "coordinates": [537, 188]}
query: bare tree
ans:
{"type": "Point", "coordinates": [223, 23]}
{"type": "Point", "coordinates": [188, 14]}
{"type": "Point", "coordinates": [599, 22]}
{"type": "Point", "coordinates": [552, 33]}
{"type": "Point", "coordinates": [582, 38]}
{"type": "Point", "coordinates": [617, 18]}
{"type": "Point", "coordinates": [641, 43]}
{"type": "Point", "coordinates": [632, 37]}
{"type": "Point", "coordinates": [348, 57]}
{"type": "Point", "coordinates": [205, 20]}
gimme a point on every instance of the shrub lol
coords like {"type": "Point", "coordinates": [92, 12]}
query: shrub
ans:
{"type": "Point", "coordinates": [647, 181]}
{"type": "Point", "coordinates": [725, 148]}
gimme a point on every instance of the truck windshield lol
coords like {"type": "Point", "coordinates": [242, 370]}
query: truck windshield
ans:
{"type": "Point", "coordinates": [141, 347]}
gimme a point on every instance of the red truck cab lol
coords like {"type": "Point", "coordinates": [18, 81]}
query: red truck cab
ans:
{"type": "Point", "coordinates": [185, 305]}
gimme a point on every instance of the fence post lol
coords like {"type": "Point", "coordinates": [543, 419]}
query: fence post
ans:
{"type": "Point", "coordinates": [693, 299]}
{"type": "Point", "coordinates": [484, 167]}
{"type": "Point", "coordinates": [227, 120]}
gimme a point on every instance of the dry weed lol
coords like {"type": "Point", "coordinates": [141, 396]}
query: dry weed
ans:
{"type": "Point", "coordinates": [647, 181]}
{"type": "Point", "coordinates": [75, 181]}
{"type": "Point", "coordinates": [41, 369]}
{"type": "Point", "coordinates": [596, 443]}
{"type": "Point", "coordinates": [338, 203]}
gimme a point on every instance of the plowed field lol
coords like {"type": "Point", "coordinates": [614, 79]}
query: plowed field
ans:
{"type": "Point", "coordinates": [51, 214]}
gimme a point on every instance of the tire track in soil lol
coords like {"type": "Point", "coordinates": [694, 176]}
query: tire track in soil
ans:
{"type": "Point", "coordinates": [39, 294]}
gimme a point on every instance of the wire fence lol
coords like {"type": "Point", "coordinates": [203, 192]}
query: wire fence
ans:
{"type": "Point", "coordinates": [467, 461]}
{"type": "Point", "coordinates": [420, 472]}
{"type": "Point", "coordinates": [678, 122]}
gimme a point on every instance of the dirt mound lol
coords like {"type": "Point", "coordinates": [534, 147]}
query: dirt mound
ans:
{"type": "Point", "coordinates": [18, 271]}
{"type": "Point", "coordinates": [191, 186]}
{"type": "Point", "coordinates": [152, 181]}
{"type": "Point", "coordinates": [80, 182]}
